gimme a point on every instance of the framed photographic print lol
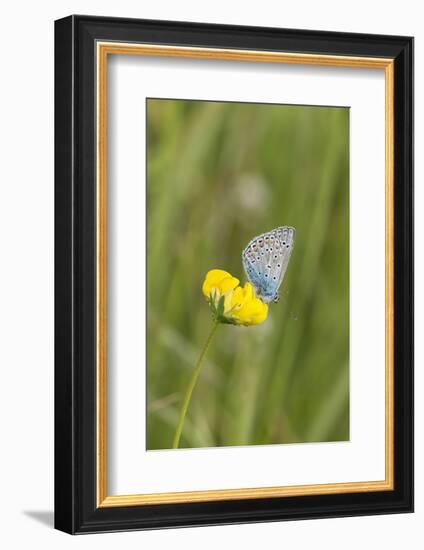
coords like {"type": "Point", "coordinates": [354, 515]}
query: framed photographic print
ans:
{"type": "Point", "coordinates": [234, 274]}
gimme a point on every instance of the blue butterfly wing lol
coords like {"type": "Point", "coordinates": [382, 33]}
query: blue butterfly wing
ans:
{"type": "Point", "coordinates": [265, 260]}
{"type": "Point", "coordinates": [253, 271]}
{"type": "Point", "coordinates": [284, 245]}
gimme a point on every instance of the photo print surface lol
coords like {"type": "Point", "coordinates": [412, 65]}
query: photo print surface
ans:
{"type": "Point", "coordinates": [247, 274]}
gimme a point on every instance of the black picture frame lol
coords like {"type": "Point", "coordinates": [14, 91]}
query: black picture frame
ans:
{"type": "Point", "coordinates": [76, 509]}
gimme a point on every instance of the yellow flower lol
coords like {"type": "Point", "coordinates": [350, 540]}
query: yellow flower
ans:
{"type": "Point", "coordinates": [218, 283]}
{"type": "Point", "coordinates": [247, 308]}
{"type": "Point", "coordinates": [230, 303]}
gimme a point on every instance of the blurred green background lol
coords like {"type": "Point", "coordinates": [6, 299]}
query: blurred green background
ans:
{"type": "Point", "coordinates": [218, 175]}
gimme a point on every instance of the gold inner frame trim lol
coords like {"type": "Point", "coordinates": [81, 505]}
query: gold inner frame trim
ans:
{"type": "Point", "coordinates": [104, 49]}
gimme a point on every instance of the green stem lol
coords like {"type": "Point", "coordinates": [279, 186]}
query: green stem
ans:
{"type": "Point", "coordinates": [190, 388]}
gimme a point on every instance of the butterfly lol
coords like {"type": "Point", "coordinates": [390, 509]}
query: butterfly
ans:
{"type": "Point", "coordinates": [265, 260]}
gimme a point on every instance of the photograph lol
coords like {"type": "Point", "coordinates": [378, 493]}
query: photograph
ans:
{"type": "Point", "coordinates": [247, 273]}
{"type": "Point", "coordinates": [233, 273]}
{"type": "Point", "coordinates": [211, 306]}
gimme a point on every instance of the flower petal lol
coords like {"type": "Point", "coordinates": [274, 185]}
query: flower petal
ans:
{"type": "Point", "coordinates": [251, 310]}
{"type": "Point", "coordinates": [220, 280]}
